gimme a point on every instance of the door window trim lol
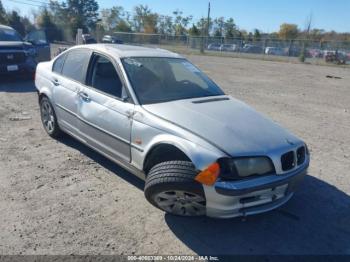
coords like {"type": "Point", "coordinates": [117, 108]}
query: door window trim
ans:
{"type": "Point", "coordinates": [64, 55]}
{"type": "Point", "coordinates": [118, 71]}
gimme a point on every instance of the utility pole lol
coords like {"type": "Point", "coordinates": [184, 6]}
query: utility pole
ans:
{"type": "Point", "coordinates": [205, 30]}
{"type": "Point", "coordinates": [208, 21]}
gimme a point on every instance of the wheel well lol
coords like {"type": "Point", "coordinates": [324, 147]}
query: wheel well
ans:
{"type": "Point", "coordinates": [41, 95]}
{"type": "Point", "coordinates": [162, 153]}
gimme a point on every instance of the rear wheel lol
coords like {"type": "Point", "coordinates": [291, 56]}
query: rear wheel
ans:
{"type": "Point", "coordinates": [170, 186]}
{"type": "Point", "coordinates": [48, 118]}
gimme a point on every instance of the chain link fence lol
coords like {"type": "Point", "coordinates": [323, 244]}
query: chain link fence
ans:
{"type": "Point", "coordinates": [312, 50]}
{"type": "Point", "coordinates": [272, 49]}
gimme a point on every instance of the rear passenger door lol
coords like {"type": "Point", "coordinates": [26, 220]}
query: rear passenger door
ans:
{"type": "Point", "coordinates": [105, 109]}
{"type": "Point", "coordinates": [68, 78]}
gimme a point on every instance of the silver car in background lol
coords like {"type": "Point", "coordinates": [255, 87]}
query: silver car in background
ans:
{"type": "Point", "coordinates": [201, 152]}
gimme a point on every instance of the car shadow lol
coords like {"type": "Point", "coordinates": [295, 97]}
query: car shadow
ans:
{"type": "Point", "coordinates": [16, 85]}
{"type": "Point", "coordinates": [103, 161]}
{"type": "Point", "coordinates": [315, 221]}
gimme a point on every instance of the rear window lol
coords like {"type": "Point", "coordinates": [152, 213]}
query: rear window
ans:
{"type": "Point", "coordinates": [76, 64]}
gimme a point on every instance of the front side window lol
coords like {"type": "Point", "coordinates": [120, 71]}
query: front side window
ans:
{"type": "Point", "coordinates": [104, 77]}
{"type": "Point", "coordinates": [75, 64]}
{"type": "Point", "coordinates": [158, 79]}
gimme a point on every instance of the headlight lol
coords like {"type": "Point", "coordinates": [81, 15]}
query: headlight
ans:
{"type": "Point", "coordinates": [238, 168]}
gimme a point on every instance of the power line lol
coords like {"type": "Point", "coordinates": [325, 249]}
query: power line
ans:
{"type": "Point", "coordinates": [25, 3]}
{"type": "Point", "coordinates": [36, 1]}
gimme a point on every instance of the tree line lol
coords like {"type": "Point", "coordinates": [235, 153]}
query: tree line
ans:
{"type": "Point", "coordinates": [62, 19]}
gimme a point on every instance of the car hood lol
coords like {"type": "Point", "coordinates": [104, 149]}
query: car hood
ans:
{"type": "Point", "coordinates": [226, 123]}
{"type": "Point", "coordinates": [17, 44]}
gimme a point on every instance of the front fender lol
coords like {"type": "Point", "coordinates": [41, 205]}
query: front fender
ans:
{"type": "Point", "coordinates": [200, 156]}
{"type": "Point", "coordinates": [46, 91]}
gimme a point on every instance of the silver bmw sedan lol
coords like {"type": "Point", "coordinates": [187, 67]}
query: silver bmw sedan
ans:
{"type": "Point", "coordinates": [200, 151]}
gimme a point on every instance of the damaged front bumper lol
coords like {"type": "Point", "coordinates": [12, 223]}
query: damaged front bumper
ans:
{"type": "Point", "coordinates": [248, 197]}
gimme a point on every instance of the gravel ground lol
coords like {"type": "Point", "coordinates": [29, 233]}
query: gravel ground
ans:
{"type": "Point", "coordinates": [59, 197]}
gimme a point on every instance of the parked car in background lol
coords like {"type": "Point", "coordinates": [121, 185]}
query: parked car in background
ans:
{"type": "Point", "coordinates": [88, 39]}
{"type": "Point", "coordinates": [315, 53]}
{"type": "Point", "coordinates": [109, 39]}
{"type": "Point", "coordinates": [214, 47]}
{"type": "Point", "coordinates": [249, 48]}
{"type": "Point", "coordinates": [275, 51]}
{"type": "Point", "coordinates": [336, 57]}
{"type": "Point", "coordinates": [294, 51]}
{"type": "Point", "coordinates": [200, 151]}
{"type": "Point", "coordinates": [229, 48]}
{"type": "Point", "coordinates": [19, 57]}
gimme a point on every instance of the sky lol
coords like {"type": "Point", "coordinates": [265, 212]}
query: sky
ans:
{"type": "Point", "coordinates": [265, 15]}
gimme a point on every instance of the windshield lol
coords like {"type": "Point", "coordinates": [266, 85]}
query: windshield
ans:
{"type": "Point", "coordinates": [158, 79]}
{"type": "Point", "coordinates": [9, 35]}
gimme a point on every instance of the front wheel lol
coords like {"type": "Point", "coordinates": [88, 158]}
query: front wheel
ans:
{"type": "Point", "coordinates": [170, 186]}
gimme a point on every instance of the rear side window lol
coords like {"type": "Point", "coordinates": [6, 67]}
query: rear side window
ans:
{"type": "Point", "coordinates": [76, 64]}
{"type": "Point", "coordinates": [57, 66]}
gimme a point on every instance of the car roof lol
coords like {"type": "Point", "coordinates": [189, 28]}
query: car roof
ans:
{"type": "Point", "coordinates": [129, 50]}
{"type": "Point", "coordinates": [6, 27]}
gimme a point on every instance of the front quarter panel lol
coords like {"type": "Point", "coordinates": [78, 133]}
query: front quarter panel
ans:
{"type": "Point", "coordinates": [150, 131]}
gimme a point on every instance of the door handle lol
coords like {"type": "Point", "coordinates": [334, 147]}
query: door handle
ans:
{"type": "Point", "coordinates": [55, 82]}
{"type": "Point", "coordinates": [84, 96]}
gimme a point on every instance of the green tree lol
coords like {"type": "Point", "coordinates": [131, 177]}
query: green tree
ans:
{"type": "Point", "coordinates": [3, 16]}
{"type": "Point", "coordinates": [219, 25]}
{"type": "Point", "coordinates": [44, 21]}
{"type": "Point", "coordinates": [202, 25]}
{"type": "Point", "coordinates": [28, 25]}
{"type": "Point", "coordinates": [256, 35]}
{"type": "Point", "coordinates": [288, 31]}
{"type": "Point", "coordinates": [123, 26]}
{"type": "Point", "coordinates": [230, 28]}
{"type": "Point", "coordinates": [317, 34]}
{"type": "Point", "coordinates": [145, 20]}
{"type": "Point", "coordinates": [116, 19]}
{"type": "Point", "coordinates": [82, 14]}
{"type": "Point", "coordinates": [74, 14]}
{"type": "Point", "coordinates": [166, 25]}
{"type": "Point", "coordinates": [15, 22]}
{"type": "Point", "coordinates": [181, 22]}
{"type": "Point", "coordinates": [194, 31]}
{"type": "Point", "coordinates": [112, 16]}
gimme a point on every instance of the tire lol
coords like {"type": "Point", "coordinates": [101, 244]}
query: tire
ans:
{"type": "Point", "coordinates": [170, 186]}
{"type": "Point", "coordinates": [48, 118]}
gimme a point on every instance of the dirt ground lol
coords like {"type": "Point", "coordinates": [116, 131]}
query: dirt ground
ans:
{"type": "Point", "coordinates": [59, 197]}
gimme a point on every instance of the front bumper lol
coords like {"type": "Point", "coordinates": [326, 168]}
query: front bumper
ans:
{"type": "Point", "coordinates": [248, 197]}
{"type": "Point", "coordinates": [27, 67]}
